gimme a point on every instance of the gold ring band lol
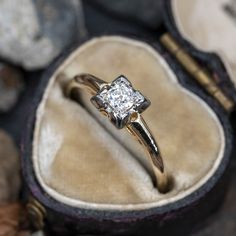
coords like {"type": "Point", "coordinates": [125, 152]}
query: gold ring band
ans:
{"type": "Point", "coordinates": [123, 105]}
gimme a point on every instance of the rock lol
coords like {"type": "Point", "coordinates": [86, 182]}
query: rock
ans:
{"type": "Point", "coordinates": [11, 85]}
{"type": "Point", "coordinates": [148, 12]}
{"type": "Point", "coordinates": [9, 169]}
{"type": "Point", "coordinates": [34, 32]}
{"type": "Point", "coordinates": [11, 217]}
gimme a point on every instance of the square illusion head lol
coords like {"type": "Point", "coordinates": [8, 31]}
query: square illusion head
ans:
{"type": "Point", "coordinates": [119, 100]}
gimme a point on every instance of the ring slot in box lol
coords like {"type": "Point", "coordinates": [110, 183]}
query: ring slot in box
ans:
{"type": "Point", "coordinates": [89, 177]}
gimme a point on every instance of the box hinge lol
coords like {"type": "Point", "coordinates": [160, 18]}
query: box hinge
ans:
{"type": "Point", "coordinates": [36, 213]}
{"type": "Point", "coordinates": [200, 74]}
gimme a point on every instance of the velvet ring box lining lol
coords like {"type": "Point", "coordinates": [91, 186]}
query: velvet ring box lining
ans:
{"type": "Point", "coordinates": [81, 161]}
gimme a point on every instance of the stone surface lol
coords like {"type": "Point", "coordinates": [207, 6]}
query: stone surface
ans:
{"type": "Point", "coordinates": [11, 85]}
{"type": "Point", "coordinates": [148, 12]}
{"type": "Point", "coordinates": [34, 32]}
{"type": "Point", "coordinates": [12, 218]}
{"type": "Point", "coordinates": [9, 169]}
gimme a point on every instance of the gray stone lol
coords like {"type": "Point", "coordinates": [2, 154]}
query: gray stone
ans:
{"type": "Point", "coordinates": [9, 169]}
{"type": "Point", "coordinates": [34, 32]}
{"type": "Point", "coordinates": [147, 12]}
{"type": "Point", "coordinates": [11, 85]}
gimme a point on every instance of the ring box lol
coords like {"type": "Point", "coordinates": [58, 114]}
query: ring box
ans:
{"type": "Point", "coordinates": [85, 177]}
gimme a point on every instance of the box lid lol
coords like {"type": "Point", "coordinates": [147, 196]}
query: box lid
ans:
{"type": "Point", "coordinates": [198, 49]}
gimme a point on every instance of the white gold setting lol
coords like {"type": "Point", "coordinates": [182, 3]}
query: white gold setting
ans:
{"type": "Point", "coordinates": [119, 100]}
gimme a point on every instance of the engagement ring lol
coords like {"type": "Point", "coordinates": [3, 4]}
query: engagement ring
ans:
{"type": "Point", "coordinates": [123, 105]}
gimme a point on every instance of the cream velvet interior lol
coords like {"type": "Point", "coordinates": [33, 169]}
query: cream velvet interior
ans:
{"type": "Point", "coordinates": [209, 26]}
{"type": "Point", "coordinates": [82, 160]}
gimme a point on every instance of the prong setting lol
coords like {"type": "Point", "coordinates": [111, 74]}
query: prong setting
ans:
{"type": "Point", "coordinates": [119, 100]}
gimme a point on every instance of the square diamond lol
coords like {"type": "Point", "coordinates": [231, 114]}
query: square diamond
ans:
{"type": "Point", "coordinates": [120, 100]}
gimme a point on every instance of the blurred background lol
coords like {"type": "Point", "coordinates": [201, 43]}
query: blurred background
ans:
{"type": "Point", "coordinates": [32, 34]}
